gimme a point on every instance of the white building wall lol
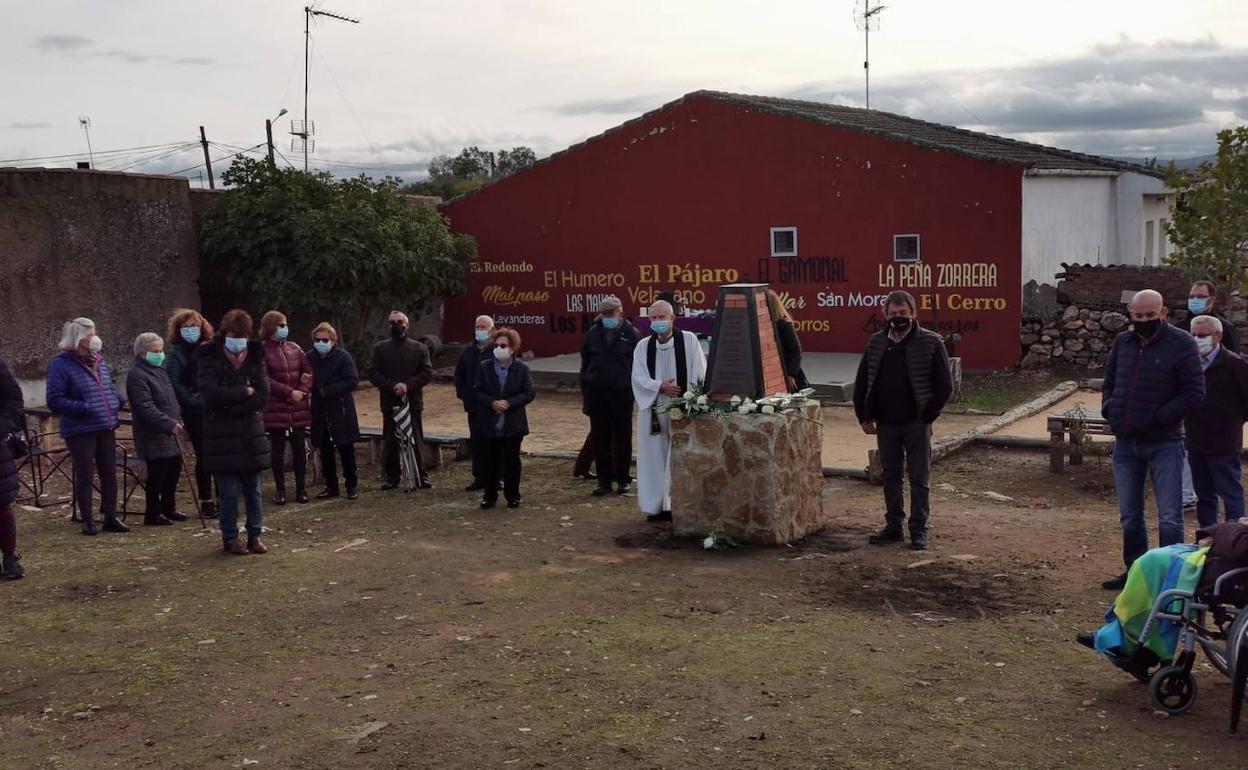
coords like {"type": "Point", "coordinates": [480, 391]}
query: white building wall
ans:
{"type": "Point", "coordinates": [1136, 207]}
{"type": "Point", "coordinates": [1068, 219]}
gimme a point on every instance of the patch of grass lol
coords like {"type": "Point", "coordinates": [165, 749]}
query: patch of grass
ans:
{"type": "Point", "coordinates": [999, 392]}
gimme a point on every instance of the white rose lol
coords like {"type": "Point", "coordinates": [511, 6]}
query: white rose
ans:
{"type": "Point", "coordinates": [743, 409]}
{"type": "Point", "coordinates": [675, 413]}
{"type": "Point", "coordinates": [688, 395]}
{"type": "Point", "coordinates": [702, 401]}
{"type": "Point", "coordinates": [709, 542]}
{"type": "Point", "coordinates": [735, 400]}
{"type": "Point", "coordinates": [769, 409]}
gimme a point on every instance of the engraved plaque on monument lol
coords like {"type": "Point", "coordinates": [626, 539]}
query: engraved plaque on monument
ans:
{"type": "Point", "coordinates": [745, 356]}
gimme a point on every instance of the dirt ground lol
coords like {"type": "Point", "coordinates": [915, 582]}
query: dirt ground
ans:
{"type": "Point", "coordinates": [417, 631]}
{"type": "Point", "coordinates": [556, 423]}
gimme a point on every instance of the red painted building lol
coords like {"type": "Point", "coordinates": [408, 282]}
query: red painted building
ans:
{"type": "Point", "coordinates": [833, 206]}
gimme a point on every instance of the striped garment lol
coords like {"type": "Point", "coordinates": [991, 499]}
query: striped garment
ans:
{"type": "Point", "coordinates": [1161, 569]}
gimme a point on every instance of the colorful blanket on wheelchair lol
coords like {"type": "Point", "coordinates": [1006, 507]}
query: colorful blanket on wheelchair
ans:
{"type": "Point", "coordinates": [1175, 567]}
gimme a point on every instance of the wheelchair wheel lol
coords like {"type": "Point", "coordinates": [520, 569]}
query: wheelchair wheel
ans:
{"type": "Point", "coordinates": [1173, 690]}
{"type": "Point", "coordinates": [1217, 657]}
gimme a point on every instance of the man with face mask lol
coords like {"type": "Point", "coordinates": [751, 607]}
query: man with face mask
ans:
{"type": "Point", "coordinates": [475, 353]}
{"type": "Point", "coordinates": [1202, 298]}
{"type": "Point", "coordinates": [400, 369]}
{"type": "Point", "coordinates": [904, 381]}
{"type": "Point", "coordinates": [606, 382]}
{"type": "Point", "coordinates": [1153, 380]}
{"type": "Point", "coordinates": [1215, 429]}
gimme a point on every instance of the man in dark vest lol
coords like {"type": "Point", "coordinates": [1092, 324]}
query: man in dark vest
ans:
{"type": "Point", "coordinates": [606, 387]}
{"type": "Point", "coordinates": [400, 370]}
{"type": "Point", "coordinates": [903, 382]}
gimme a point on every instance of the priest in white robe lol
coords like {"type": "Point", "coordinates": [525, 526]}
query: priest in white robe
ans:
{"type": "Point", "coordinates": [657, 377]}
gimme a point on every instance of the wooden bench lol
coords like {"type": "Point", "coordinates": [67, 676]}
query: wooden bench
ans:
{"type": "Point", "coordinates": [1078, 427]}
{"type": "Point", "coordinates": [431, 456]}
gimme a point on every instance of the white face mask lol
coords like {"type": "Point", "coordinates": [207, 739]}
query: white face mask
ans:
{"type": "Point", "coordinates": [96, 344]}
{"type": "Point", "coordinates": [502, 355]}
{"type": "Point", "coordinates": [1204, 345]}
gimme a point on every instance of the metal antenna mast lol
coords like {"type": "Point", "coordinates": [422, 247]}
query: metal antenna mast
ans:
{"type": "Point", "coordinates": [867, 18]}
{"type": "Point", "coordinates": [307, 129]}
{"type": "Point", "coordinates": [85, 123]}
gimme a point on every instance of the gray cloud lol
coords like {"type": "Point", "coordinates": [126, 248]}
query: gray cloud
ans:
{"type": "Point", "coordinates": [193, 60]}
{"type": "Point", "coordinates": [61, 43]}
{"type": "Point", "coordinates": [28, 125]}
{"type": "Point", "coordinates": [619, 106]}
{"type": "Point", "coordinates": [1120, 98]}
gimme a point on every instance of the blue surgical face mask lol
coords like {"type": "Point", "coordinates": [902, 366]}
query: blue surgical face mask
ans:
{"type": "Point", "coordinates": [1197, 304]}
{"type": "Point", "coordinates": [282, 332]}
{"type": "Point", "coordinates": [660, 327]}
{"type": "Point", "coordinates": [481, 335]}
{"type": "Point", "coordinates": [236, 345]}
{"type": "Point", "coordinates": [190, 333]}
{"type": "Point", "coordinates": [323, 346]}
{"type": "Point", "coordinates": [610, 322]}
{"type": "Point", "coordinates": [155, 359]}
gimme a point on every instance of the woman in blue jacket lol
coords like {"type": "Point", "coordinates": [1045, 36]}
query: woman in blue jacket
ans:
{"type": "Point", "coordinates": [81, 393]}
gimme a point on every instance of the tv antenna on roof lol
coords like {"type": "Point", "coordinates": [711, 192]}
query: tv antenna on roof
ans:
{"type": "Point", "coordinates": [304, 129]}
{"type": "Point", "coordinates": [85, 123]}
{"type": "Point", "coordinates": [867, 18]}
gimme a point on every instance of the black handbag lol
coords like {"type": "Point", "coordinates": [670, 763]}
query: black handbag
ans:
{"type": "Point", "coordinates": [17, 446]}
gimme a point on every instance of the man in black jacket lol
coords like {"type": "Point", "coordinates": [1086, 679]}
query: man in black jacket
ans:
{"type": "Point", "coordinates": [606, 386]}
{"type": "Point", "coordinates": [400, 370]}
{"type": "Point", "coordinates": [480, 350]}
{"type": "Point", "coordinates": [903, 382]}
{"type": "Point", "coordinates": [1215, 429]}
{"type": "Point", "coordinates": [1152, 381]}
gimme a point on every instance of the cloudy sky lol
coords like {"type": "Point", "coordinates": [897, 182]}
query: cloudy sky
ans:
{"type": "Point", "coordinates": [416, 78]}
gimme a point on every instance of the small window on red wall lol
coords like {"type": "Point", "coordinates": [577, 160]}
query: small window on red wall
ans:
{"type": "Point", "coordinates": [784, 241]}
{"type": "Point", "coordinates": [905, 248]}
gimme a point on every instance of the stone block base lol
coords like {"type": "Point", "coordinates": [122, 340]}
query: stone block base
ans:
{"type": "Point", "coordinates": [757, 478]}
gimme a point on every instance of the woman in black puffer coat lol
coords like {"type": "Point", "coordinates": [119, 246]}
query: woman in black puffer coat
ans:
{"type": "Point", "coordinates": [12, 420]}
{"type": "Point", "coordinates": [235, 386]}
{"type": "Point", "coordinates": [334, 421]}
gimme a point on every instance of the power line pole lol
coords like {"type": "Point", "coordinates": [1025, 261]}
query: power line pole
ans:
{"type": "Point", "coordinates": [308, 13]}
{"type": "Point", "coordinates": [203, 140]}
{"type": "Point", "coordinates": [268, 132]}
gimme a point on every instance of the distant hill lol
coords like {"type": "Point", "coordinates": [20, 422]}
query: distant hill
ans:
{"type": "Point", "coordinates": [1184, 164]}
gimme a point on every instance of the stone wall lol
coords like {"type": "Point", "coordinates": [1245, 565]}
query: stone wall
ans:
{"type": "Point", "coordinates": [757, 478]}
{"type": "Point", "coordinates": [118, 248]}
{"type": "Point", "coordinates": [1091, 312]}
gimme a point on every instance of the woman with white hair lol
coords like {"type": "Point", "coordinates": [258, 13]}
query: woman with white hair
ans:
{"type": "Point", "coordinates": [157, 426]}
{"type": "Point", "coordinates": [82, 395]}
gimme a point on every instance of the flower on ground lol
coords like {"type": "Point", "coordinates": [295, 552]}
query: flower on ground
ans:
{"type": "Point", "coordinates": [768, 409]}
{"type": "Point", "coordinates": [708, 542]}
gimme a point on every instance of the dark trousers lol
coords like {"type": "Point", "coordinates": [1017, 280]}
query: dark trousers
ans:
{"type": "Point", "coordinates": [298, 455]}
{"type": "Point", "coordinates": [906, 450]}
{"type": "Point", "coordinates": [1217, 476]}
{"type": "Point", "coordinates": [588, 455]}
{"type": "Point", "coordinates": [478, 448]}
{"type": "Point", "coordinates": [329, 468]}
{"type": "Point", "coordinates": [91, 454]}
{"type": "Point", "coordinates": [611, 425]}
{"type": "Point", "coordinates": [503, 461]}
{"type": "Point", "coordinates": [8, 530]}
{"type": "Point", "coordinates": [161, 487]}
{"type": "Point", "coordinates": [203, 479]}
{"type": "Point", "coordinates": [390, 444]}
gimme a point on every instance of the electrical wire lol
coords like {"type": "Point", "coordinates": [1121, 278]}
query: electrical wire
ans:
{"type": "Point", "coordinates": [98, 153]}
{"type": "Point", "coordinates": [160, 155]}
{"type": "Point", "coordinates": [212, 162]}
{"type": "Point", "coordinates": [321, 58]}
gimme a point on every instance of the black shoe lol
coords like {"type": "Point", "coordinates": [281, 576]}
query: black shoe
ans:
{"type": "Point", "coordinates": [176, 516]}
{"type": "Point", "coordinates": [326, 493]}
{"type": "Point", "coordinates": [624, 488]}
{"type": "Point", "coordinates": [475, 486]}
{"type": "Point", "coordinates": [1087, 640]}
{"type": "Point", "coordinates": [487, 503]}
{"type": "Point", "coordinates": [154, 521]}
{"type": "Point", "coordinates": [88, 527]}
{"type": "Point", "coordinates": [352, 493]}
{"type": "Point", "coordinates": [389, 485]}
{"type": "Point", "coordinates": [600, 491]}
{"type": "Point", "coordinates": [1115, 584]}
{"type": "Point", "coordinates": [208, 509]}
{"type": "Point", "coordinates": [279, 498]}
{"type": "Point", "coordinates": [301, 496]}
{"type": "Point", "coordinates": [12, 568]}
{"type": "Point", "coordinates": [918, 541]}
{"type": "Point", "coordinates": [114, 525]}
{"type": "Point", "coordinates": [587, 475]}
{"type": "Point", "coordinates": [885, 536]}
{"type": "Point", "coordinates": [424, 484]}
{"type": "Point", "coordinates": [513, 503]}
{"type": "Point", "coordinates": [660, 516]}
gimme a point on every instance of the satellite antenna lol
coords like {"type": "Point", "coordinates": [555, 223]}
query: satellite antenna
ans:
{"type": "Point", "coordinates": [85, 123]}
{"type": "Point", "coordinates": [867, 18]}
{"type": "Point", "coordinates": [304, 129]}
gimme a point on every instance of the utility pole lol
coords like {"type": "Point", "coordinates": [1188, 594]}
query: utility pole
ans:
{"type": "Point", "coordinates": [308, 13]}
{"type": "Point", "coordinates": [268, 132]}
{"type": "Point", "coordinates": [203, 140]}
{"type": "Point", "coordinates": [867, 16]}
{"type": "Point", "coordinates": [85, 123]}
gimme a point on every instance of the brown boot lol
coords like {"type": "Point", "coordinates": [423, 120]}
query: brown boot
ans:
{"type": "Point", "coordinates": [235, 547]}
{"type": "Point", "coordinates": [255, 545]}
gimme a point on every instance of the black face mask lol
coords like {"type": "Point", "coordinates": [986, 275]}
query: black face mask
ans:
{"type": "Point", "coordinates": [1146, 329]}
{"type": "Point", "coordinates": [397, 331]}
{"type": "Point", "coordinates": [899, 323]}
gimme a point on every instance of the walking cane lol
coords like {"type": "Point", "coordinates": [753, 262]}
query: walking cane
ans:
{"type": "Point", "coordinates": [186, 474]}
